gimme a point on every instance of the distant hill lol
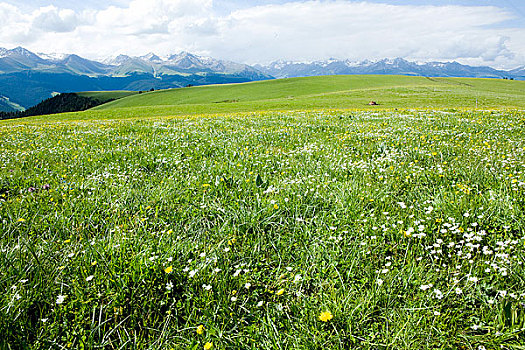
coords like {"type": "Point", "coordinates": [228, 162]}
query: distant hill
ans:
{"type": "Point", "coordinates": [67, 102]}
{"type": "Point", "coordinates": [337, 91]}
{"type": "Point", "coordinates": [6, 105]}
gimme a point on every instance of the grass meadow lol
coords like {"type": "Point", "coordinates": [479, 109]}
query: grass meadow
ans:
{"type": "Point", "coordinates": [326, 229]}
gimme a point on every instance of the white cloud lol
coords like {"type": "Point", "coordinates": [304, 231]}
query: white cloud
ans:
{"type": "Point", "coordinates": [51, 19]}
{"type": "Point", "coordinates": [307, 30]}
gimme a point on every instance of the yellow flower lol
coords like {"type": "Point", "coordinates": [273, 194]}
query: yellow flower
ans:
{"type": "Point", "coordinates": [326, 316]}
{"type": "Point", "coordinates": [200, 329]}
{"type": "Point", "coordinates": [168, 269]}
{"type": "Point", "coordinates": [21, 220]}
{"type": "Point", "coordinates": [208, 346]}
{"type": "Point", "coordinates": [275, 206]}
{"type": "Point", "coordinates": [280, 292]}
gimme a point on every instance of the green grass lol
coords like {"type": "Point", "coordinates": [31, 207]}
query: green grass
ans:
{"type": "Point", "coordinates": [314, 93]}
{"type": "Point", "coordinates": [407, 226]}
{"type": "Point", "coordinates": [335, 92]}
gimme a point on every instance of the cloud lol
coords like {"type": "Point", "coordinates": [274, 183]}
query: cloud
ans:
{"type": "Point", "coordinates": [301, 30]}
{"type": "Point", "coordinates": [51, 19]}
{"type": "Point", "coordinates": [314, 29]}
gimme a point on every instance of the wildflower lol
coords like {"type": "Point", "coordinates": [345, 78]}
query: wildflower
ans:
{"type": "Point", "coordinates": [260, 303]}
{"type": "Point", "coordinates": [233, 299]}
{"type": "Point", "coordinates": [168, 269]}
{"type": "Point", "coordinates": [21, 220]}
{"type": "Point", "coordinates": [379, 282]}
{"type": "Point", "coordinates": [208, 346]}
{"type": "Point", "coordinates": [206, 286]}
{"type": "Point", "coordinates": [200, 329]}
{"type": "Point", "coordinates": [61, 298]}
{"type": "Point", "coordinates": [426, 286]}
{"type": "Point", "coordinates": [247, 285]}
{"type": "Point", "coordinates": [325, 316]}
{"type": "Point", "coordinates": [280, 292]}
{"type": "Point", "coordinates": [438, 293]}
{"type": "Point", "coordinates": [169, 286]}
{"type": "Point", "coordinates": [89, 278]}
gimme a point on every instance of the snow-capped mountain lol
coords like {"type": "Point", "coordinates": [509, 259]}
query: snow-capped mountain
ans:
{"type": "Point", "coordinates": [27, 78]}
{"type": "Point", "coordinates": [20, 59]}
{"type": "Point", "coordinates": [283, 69]}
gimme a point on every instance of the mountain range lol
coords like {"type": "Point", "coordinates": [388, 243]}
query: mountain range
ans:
{"type": "Point", "coordinates": [26, 78]}
{"type": "Point", "coordinates": [397, 66]}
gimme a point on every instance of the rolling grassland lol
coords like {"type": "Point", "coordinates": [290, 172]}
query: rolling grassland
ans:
{"type": "Point", "coordinates": [306, 229]}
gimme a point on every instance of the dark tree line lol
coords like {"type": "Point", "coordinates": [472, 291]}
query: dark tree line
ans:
{"type": "Point", "coordinates": [63, 103]}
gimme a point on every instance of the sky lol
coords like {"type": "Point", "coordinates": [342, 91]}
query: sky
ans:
{"type": "Point", "coordinates": [481, 32]}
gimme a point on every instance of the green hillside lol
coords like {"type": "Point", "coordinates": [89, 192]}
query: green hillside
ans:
{"type": "Point", "coordinates": [335, 92]}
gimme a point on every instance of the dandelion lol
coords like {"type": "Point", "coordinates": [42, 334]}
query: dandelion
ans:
{"type": "Point", "coordinates": [200, 329]}
{"type": "Point", "coordinates": [325, 316]}
{"type": "Point", "coordinates": [208, 346]}
{"type": "Point", "coordinates": [168, 269]}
